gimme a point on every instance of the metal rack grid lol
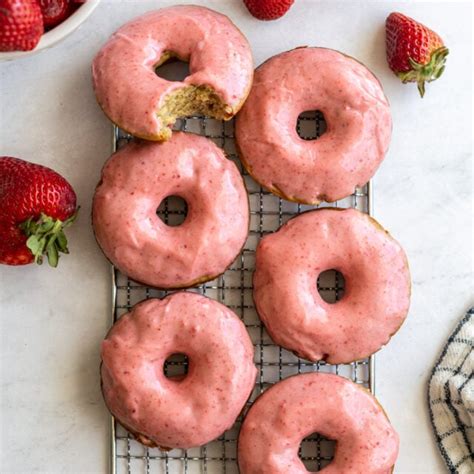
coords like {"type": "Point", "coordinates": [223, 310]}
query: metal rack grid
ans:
{"type": "Point", "coordinates": [234, 289]}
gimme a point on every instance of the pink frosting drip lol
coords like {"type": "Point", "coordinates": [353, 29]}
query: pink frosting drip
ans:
{"type": "Point", "coordinates": [125, 82]}
{"type": "Point", "coordinates": [357, 116]}
{"type": "Point", "coordinates": [185, 412]}
{"type": "Point", "coordinates": [134, 182]}
{"type": "Point", "coordinates": [324, 403]}
{"type": "Point", "coordinates": [377, 285]}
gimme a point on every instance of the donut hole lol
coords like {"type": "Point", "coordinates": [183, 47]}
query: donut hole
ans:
{"type": "Point", "coordinates": [176, 366]}
{"type": "Point", "coordinates": [311, 125]}
{"type": "Point", "coordinates": [173, 210]}
{"type": "Point", "coordinates": [331, 284]}
{"type": "Point", "coordinates": [316, 452]}
{"type": "Point", "coordinates": [171, 68]}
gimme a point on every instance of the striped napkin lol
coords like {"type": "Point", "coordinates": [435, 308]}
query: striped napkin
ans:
{"type": "Point", "coordinates": [451, 398]}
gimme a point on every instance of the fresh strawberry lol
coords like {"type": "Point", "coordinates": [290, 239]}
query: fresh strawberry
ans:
{"type": "Point", "coordinates": [21, 25]}
{"type": "Point", "coordinates": [414, 52]}
{"type": "Point", "coordinates": [268, 9]}
{"type": "Point", "coordinates": [55, 11]}
{"type": "Point", "coordinates": [36, 204]}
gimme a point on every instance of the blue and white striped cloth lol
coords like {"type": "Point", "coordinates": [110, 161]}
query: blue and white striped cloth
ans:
{"type": "Point", "coordinates": [451, 398]}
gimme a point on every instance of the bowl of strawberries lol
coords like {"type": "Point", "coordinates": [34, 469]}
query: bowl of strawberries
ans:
{"type": "Point", "coordinates": [30, 26]}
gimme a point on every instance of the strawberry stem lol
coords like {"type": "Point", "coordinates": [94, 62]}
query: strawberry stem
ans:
{"type": "Point", "coordinates": [45, 236]}
{"type": "Point", "coordinates": [421, 73]}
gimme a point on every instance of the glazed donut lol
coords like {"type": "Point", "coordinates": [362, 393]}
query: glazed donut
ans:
{"type": "Point", "coordinates": [145, 105]}
{"type": "Point", "coordinates": [141, 175]}
{"type": "Point", "coordinates": [327, 404]}
{"type": "Point", "coordinates": [377, 285]}
{"type": "Point", "coordinates": [180, 412]}
{"type": "Point", "coordinates": [358, 122]}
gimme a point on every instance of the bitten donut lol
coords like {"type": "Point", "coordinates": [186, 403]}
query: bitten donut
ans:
{"type": "Point", "coordinates": [330, 405]}
{"type": "Point", "coordinates": [356, 112]}
{"type": "Point", "coordinates": [177, 412]}
{"type": "Point", "coordinates": [134, 182]}
{"type": "Point", "coordinates": [146, 105]}
{"type": "Point", "coordinates": [376, 294]}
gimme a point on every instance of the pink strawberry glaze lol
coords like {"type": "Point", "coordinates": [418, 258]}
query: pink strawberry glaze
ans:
{"type": "Point", "coordinates": [377, 285]}
{"type": "Point", "coordinates": [125, 83]}
{"type": "Point", "coordinates": [134, 182]}
{"type": "Point", "coordinates": [179, 412]}
{"type": "Point", "coordinates": [356, 112]}
{"type": "Point", "coordinates": [316, 402]}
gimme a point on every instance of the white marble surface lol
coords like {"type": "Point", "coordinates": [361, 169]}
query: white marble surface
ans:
{"type": "Point", "coordinates": [52, 416]}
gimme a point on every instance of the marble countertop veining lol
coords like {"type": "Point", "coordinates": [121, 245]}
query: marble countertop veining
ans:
{"type": "Point", "coordinates": [53, 419]}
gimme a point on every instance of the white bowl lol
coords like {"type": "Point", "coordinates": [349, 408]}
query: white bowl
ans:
{"type": "Point", "coordinates": [58, 33]}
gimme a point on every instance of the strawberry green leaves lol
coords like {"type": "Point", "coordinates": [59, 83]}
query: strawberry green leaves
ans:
{"type": "Point", "coordinates": [45, 236]}
{"type": "Point", "coordinates": [421, 73]}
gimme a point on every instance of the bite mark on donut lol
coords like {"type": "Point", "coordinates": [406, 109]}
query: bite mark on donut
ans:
{"type": "Point", "coordinates": [192, 100]}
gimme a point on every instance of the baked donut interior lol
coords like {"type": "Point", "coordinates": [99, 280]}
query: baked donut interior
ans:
{"type": "Point", "coordinates": [189, 100]}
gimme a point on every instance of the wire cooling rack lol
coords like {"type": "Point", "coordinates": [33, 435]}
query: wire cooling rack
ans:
{"type": "Point", "coordinates": [234, 289]}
